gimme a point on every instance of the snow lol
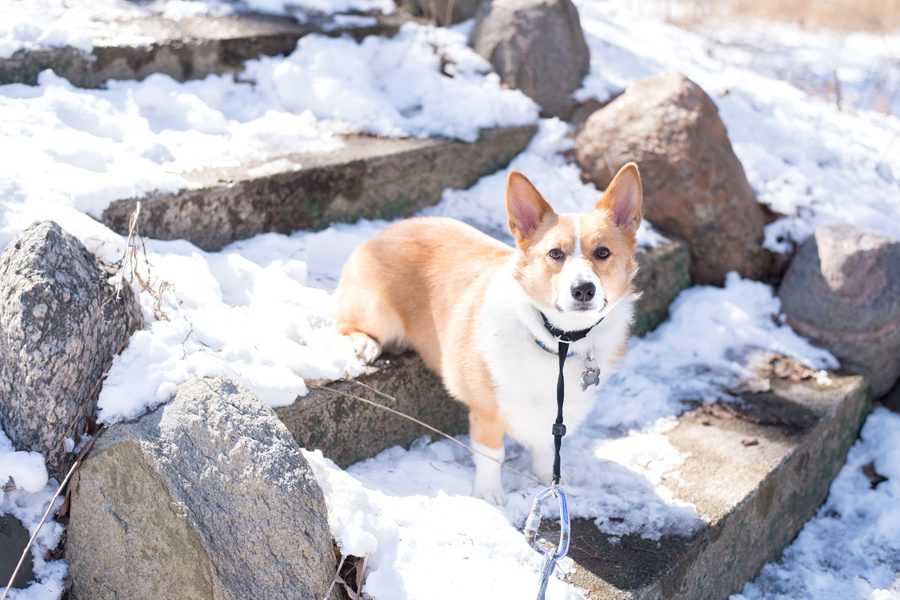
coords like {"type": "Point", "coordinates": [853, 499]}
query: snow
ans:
{"type": "Point", "coordinates": [857, 69]}
{"type": "Point", "coordinates": [393, 86]}
{"type": "Point", "coordinates": [27, 502]}
{"type": "Point", "coordinates": [26, 469]}
{"type": "Point", "coordinates": [851, 548]}
{"type": "Point", "coordinates": [433, 540]}
{"type": "Point", "coordinates": [258, 311]}
{"type": "Point", "coordinates": [705, 348]}
{"type": "Point", "coordinates": [86, 148]}
{"type": "Point", "coordinates": [89, 147]}
{"type": "Point", "coordinates": [35, 24]}
{"type": "Point", "coordinates": [251, 320]}
{"type": "Point", "coordinates": [39, 24]}
{"type": "Point", "coordinates": [806, 159]}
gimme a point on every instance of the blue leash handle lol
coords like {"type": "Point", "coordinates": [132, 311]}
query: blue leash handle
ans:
{"type": "Point", "coordinates": [533, 524]}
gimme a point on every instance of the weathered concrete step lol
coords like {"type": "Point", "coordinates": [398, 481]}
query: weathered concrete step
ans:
{"type": "Point", "coordinates": [367, 178]}
{"type": "Point", "coordinates": [756, 472]}
{"type": "Point", "coordinates": [189, 48]}
{"type": "Point", "coordinates": [348, 430]}
{"type": "Point", "coordinates": [664, 271]}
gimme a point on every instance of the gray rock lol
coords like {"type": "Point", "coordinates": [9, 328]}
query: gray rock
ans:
{"type": "Point", "coordinates": [61, 324]}
{"type": "Point", "coordinates": [536, 46]}
{"type": "Point", "coordinates": [206, 497]}
{"type": "Point", "coordinates": [892, 399]}
{"type": "Point", "coordinates": [694, 185]}
{"type": "Point", "coordinates": [842, 291]}
{"type": "Point", "coordinates": [447, 12]}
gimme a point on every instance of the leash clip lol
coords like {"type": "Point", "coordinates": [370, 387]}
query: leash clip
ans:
{"type": "Point", "coordinates": [533, 524]}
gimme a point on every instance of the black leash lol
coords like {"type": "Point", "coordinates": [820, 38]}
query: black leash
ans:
{"type": "Point", "coordinates": [563, 338]}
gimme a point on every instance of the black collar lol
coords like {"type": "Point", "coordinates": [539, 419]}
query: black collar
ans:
{"type": "Point", "coordinates": [567, 336]}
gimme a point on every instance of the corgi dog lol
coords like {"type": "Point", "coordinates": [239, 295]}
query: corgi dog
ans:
{"type": "Point", "coordinates": [480, 313]}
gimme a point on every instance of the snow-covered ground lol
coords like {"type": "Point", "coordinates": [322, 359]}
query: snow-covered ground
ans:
{"type": "Point", "coordinates": [88, 147]}
{"type": "Point", "coordinates": [38, 24]}
{"type": "Point", "coordinates": [806, 159]}
{"type": "Point", "coordinates": [857, 71]}
{"type": "Point", "coordinates": [258, 311]}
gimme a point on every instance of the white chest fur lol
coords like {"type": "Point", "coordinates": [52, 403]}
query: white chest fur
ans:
{"type": "Point", "coordinates": [525, 375]}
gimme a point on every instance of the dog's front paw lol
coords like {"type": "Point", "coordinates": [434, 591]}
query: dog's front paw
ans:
{"type": "Point", "coordinates": [367, 349]}
{"type": "Point", "coordinates": [493, 494]}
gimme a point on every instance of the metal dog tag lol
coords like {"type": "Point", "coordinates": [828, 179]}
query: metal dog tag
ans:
{"type": "Point", "coordinates": [591, 374]}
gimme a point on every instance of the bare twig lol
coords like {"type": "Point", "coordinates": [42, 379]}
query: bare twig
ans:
{"type": "Point", "coordinates": [337, 575]}
{"type": "Point", "coordinates": [838, 97]}
{"type": "Point", "coordinates": [78, 414]}
{"type": "Point", "coordinates": [135, 256]}
{"type": "Point", "coordinates": [419, 422]}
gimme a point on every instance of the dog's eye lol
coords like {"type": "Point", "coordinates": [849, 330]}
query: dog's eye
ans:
{"type": "Point", "coordinates": [602, 253]}
{"type": "Point", "coordinates": [556, 254]}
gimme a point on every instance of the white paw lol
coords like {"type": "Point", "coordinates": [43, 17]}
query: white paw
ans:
{"type": "Point", "coordinates": [493, 494]}
{"type": "Point", "coordinates": [367, 349]}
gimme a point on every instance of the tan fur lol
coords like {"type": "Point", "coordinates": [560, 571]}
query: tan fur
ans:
{"type": "Point", "coordinates": [416, 284]}
{"type": "Point", "coordinates": [420, 283]}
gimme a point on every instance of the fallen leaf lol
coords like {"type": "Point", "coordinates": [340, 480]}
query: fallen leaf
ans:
{"type": "Point", "coordinates": [875, 478]}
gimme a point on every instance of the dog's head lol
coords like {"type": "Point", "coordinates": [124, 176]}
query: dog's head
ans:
{"type": "Point", "coordinates": [576, 267]}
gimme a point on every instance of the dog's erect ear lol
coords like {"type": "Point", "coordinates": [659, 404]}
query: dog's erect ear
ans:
{"type": "Point", "coordinates": [525, 207]}
{"type": "Point", "coordinates": [623, 200]}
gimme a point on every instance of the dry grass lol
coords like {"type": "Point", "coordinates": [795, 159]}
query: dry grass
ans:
{"type": "Point", "coordinates": [876, 16]}
{"type": "Point", "coordinates": [134, 267]}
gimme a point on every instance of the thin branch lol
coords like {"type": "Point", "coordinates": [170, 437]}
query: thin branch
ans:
{"type": "Point", "coordinates": [419, 422]}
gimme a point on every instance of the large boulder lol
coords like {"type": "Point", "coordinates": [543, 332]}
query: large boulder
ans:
{"type": "Point", "coordinates": [842, 291]}
{"type": "Point", "coordinates": [61, 324]}
{"type": "Point", "coordinates": [536, 46]}
{"type": "Point", "coordinates": [206, 497]}
{"type": "Point", "coordinates": [694, 185]}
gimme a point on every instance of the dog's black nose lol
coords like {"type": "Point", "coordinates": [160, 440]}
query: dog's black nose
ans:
{"type": "Point", "coordinates": [584, 292]}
